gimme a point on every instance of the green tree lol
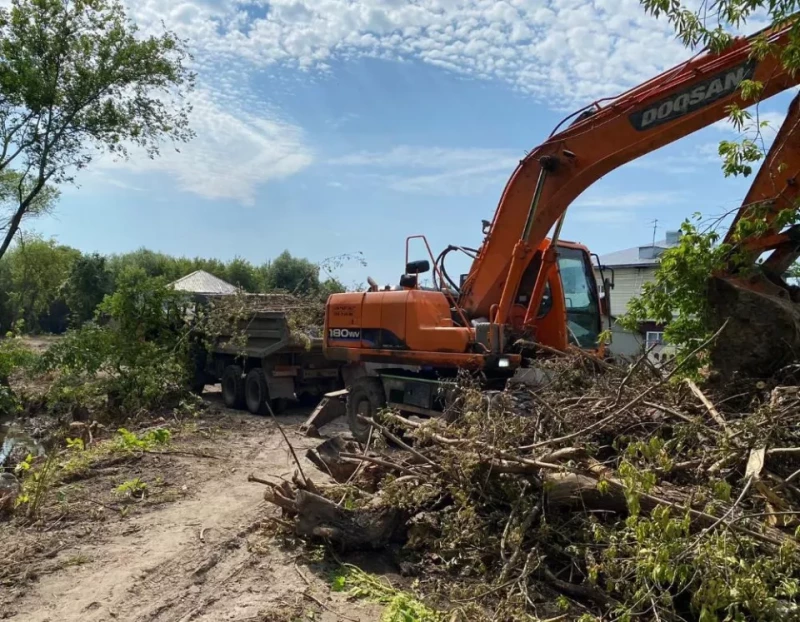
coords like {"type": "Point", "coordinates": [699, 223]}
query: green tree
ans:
{"type": "Point", "coordinates": [153, 264]}
{"type": "Point", "coordinates": [12, 184]}
{"type": "Point", "coordinates": [37, 268]}
{"type": "Point", "coordinates": [676, 297]}
{"type": "Point", "coordinates": [88, 282]}
{"type": "Point", "coordinates": [76, 78]}
{"type": "Point", "coordinates": [241, 273]}
{"type": "Point", "coordinates": [293, 274]}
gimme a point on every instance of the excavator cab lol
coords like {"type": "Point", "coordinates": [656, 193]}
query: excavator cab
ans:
{"type": "Point", "coordinates": [570, 299]}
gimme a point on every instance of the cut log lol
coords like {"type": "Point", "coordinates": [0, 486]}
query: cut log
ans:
{"type": "Point", "coordinates": [371, 527]}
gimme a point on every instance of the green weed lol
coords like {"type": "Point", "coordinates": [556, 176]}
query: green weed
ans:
{"type": "Point", "coordinates": [82, 458]}
{"type": "Point", "coordinates": [134, 488]}
{"type": "Point", "coordinates": [36, 483]}
{"type": "Point", "coordinates": [400, 606]}
{"type": "Point", "coordinates": [129, 441]}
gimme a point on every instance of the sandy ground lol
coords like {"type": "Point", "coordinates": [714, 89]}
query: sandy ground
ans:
{"type": "Point", "coordinates": [201, 547]}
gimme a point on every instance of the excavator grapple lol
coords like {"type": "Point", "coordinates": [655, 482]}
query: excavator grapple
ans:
{"type": "Point", "coordinates": [760, 331]}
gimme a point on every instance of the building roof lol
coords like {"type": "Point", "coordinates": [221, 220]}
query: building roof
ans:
{"type": "Point", "coordinates": [201, 282]}
{"type": "Point", "coordinates": [635, 256]}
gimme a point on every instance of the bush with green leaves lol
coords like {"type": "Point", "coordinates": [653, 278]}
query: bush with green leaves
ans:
{"type": "Point", "coordinates": [134, 356]}
{"type": "Point", "coordinates": [14, 355]}
{"type": "Point", "coordinates": [677, 296]}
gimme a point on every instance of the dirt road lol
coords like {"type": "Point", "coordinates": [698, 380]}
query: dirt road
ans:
{"type": "Point", "coordinates": [199, 548]}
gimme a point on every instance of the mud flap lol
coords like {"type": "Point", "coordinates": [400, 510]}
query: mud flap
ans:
{"type": "Point", "coordinates": [280, 388]}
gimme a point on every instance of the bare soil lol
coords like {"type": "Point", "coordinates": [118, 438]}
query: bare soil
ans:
{"type": "Point", "coordinates": [199, 546]}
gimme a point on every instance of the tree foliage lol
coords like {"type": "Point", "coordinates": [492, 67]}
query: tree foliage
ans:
{"type": "Point", "coordinates": [292, 274]}
{"type": "Point", "coordinates": [11, 185]}
{"type": "Point", "coordinates": [36, 270]}
{"type": "Point", "coordinates": [46, 284]}
{"type": "Point", "coordinates": [88, 283]}
{"type": "Point", "coordinates": [678, 295]}
{"type": "Point", "coordinates": [135, 359]}
{"type": "Point", "coordinates": [76, 78]}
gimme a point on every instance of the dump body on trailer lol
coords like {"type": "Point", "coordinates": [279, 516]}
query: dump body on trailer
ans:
{"type": "Point", "coordinates": [259, 360]}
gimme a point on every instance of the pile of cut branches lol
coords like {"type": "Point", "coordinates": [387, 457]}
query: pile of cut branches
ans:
{"type": "Point", "coordinates": [607, 493]}
{"type": "Point", "coordinates": [225, 320]}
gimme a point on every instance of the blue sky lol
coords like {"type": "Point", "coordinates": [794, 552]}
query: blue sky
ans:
{"type": "Point", "coordinates": [333, 126]}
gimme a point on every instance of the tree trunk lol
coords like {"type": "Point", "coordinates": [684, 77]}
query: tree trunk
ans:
{"type": "Point", "coordinates": [369, 527]}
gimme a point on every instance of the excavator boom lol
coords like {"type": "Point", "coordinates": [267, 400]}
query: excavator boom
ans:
{"type": "Point", "coordinates": [602, 137]}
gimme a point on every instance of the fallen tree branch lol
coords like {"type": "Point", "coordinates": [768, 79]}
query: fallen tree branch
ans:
{"type": "Point", "coordinates": [709, 406]}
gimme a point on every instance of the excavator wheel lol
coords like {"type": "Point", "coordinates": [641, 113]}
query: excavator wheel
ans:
{"type": "Point", "coordinates": [762, 334]}
{"type": "Point", "coordinates": [365, 397]}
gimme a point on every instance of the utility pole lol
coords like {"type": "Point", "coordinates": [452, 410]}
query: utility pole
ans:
{"type": "Point", "coordinates": [655, 228]}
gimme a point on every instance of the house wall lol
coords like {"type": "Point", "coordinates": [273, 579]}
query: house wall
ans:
{"type": "Point", "coordinates": [624, 343]}
{"type": "Point", "coordinates": [627, 284]}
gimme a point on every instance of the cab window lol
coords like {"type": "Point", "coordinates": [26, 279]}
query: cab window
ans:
{"type": "Point", "coordinates": [580, 297]}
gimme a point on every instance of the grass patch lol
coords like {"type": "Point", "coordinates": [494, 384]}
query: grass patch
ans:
{"type": "Point", "coordinates": [401, 606]}
{"type": "Point", "coordinates": [82, 458]}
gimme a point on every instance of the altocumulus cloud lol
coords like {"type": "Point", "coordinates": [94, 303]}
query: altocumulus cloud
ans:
{"type": "Point", "coordinates": [564, 53]}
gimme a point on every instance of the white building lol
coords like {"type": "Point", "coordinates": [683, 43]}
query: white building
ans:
{"type": "Point", "coordinates": [630, 269]}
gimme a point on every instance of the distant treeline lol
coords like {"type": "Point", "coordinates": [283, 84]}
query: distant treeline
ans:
{"type": "Point", "coordinates": [46, 286]}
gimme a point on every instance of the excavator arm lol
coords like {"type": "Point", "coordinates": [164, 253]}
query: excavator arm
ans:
{"type": "Point", "coordinates": [775, 188]}
{"type": "Point", "coordinates": [602, 137]}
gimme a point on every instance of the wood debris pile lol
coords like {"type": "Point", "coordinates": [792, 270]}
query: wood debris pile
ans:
{"type": "Point", "coordinates": [305, 315]}
{"type": "Point", "coordinates": [608, 493]}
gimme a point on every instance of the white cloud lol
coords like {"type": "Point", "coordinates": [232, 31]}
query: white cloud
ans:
{"type": "Point", "coordinates": [619, 208]}
{"type": "Point", "coordinates": [233, 154]}
{"type": "Point", "coordinates": [563, 53]}
{"type": "Point", "coordinates": [629, 199]}
{"type": "Point", "coordinates": [432, 170]}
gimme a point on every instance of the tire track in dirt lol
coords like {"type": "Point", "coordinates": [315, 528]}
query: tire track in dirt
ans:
{"type": "Point", "coordinates": [194, 559]}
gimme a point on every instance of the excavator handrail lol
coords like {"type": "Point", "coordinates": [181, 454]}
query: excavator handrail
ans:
{"type": "Point", "coordinates": [451, 299]}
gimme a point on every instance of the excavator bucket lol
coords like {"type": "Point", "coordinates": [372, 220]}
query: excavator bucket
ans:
{"type": "Point", "coordinates": [761, 328]}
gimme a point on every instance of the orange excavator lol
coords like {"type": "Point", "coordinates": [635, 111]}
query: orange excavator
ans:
{"type": "Point", "coordinates": [400, 347]}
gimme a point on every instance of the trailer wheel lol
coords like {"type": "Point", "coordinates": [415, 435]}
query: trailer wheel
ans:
{"type": "Point", "coordinates": [233, 387]}
{"type": "Point", "coordinates": [256, 391]}
{"type": "Point", "coordinates": [365, 397]}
